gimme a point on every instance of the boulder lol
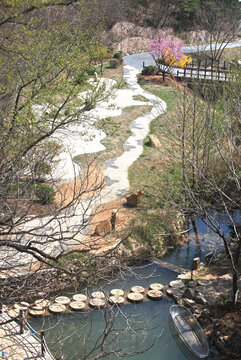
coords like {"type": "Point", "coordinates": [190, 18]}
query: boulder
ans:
{"type": "Point", "coordinates": [195, 263]}
{"type": "Point", "coordinates": [103, 228]}
{"type": "Point", "coordinates": [177, 284]}
{"type": "Point", "coordinates": [154, 141]}
{"type": "Point", "coordinates": [200, 299]}
{"type": "Point", "coordinates": [188, 293]}
{"type": "Point", "coordinates": [133, 199]}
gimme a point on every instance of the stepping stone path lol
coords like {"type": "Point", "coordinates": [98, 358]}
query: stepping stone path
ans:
{"type": "Point", "coordinates": [155, 294]}
{"type": "Point", "coordinates": [36, 310]}
{"type": "Point", "coordinates": [64, 300]}
{"type": "Point", "coordinates": [97, 303]}
{"type": "Point", "coordinates": [77, 305]}
{"type": "Point", "coordinates": [22, 306]}
{"type": "Point", "coordinates": [98, 295]}
{"type": "Point", "coordinates": [116, 300]}
{"type": "Point", "coordinates": [138, 289]}
{"type": "Point", "coordinates": [57, 308]}
{"type": "Point", "coordinates": [42, 303]}
{"type": "Point", "coordinates": [117, 292]}
{"type": "Point", "coordinates": [157, 286]}
{"type": "Point", "coordinates": [80, 297]}
{"type": "Point", "coordinates": [135, 297]}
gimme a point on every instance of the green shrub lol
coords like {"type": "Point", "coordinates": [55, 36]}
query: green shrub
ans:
{"type": "Point", "coordinates": [149, 70]}
{"type": "Point", "coordinates": [81, 78]}
{"type": "Point", "coordinates": [90, 70]}
{"type": "Point", "coordinates": [45, 194]}
{"type": "Point", "coordinates": [114, 63]}
{"type": "Point", "coordinates": [118, 55]}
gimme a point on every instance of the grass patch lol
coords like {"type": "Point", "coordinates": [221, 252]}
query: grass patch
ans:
{"type": "Point", "coordinates": [114, 145]}
{"type": "Point", "coordinates": [140, 98]}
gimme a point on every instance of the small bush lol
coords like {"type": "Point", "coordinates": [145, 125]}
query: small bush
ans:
{"type": "Point", "coordinates": [149, 70]}
{"type": "Point", "coordinates": [45, 194]}
{"type": "Point", "coordinates": [114, 63]}
{"type": "Point", "coordinates": [118, 55]}
{"type": "Point", "coordinates": [90, 70]}
{"type": "Point", "coordinates": [81, 79]}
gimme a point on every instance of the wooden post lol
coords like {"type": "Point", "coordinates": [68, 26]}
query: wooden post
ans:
{"type": "Point", "coordinates": [177, 73]}
{"type": "Point", "coordinates": [184, 72]}
{"type": "Point", "coordinates": [1, 308]}
{"type": "Point", "coordinates": [21, 321]}
{"type": "Point", "coordinates": [42, 343]}
{"type": "Point", "coordinates": [224, 65]}
{"type": "Point", "coordinates": [143, 64]}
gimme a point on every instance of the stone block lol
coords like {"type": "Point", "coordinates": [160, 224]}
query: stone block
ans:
{"type": "Point", "coordinates": [133, 199]}
{"type": "Point", "coordinates": [154, 141]}
{"type": "Point", "coordinates": [103, 228]}
{"type": "Point", "coordinates": [195, 263]}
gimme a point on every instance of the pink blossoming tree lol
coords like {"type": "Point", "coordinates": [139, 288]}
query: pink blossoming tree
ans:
{"type": "Point", "coordinates": [166, 53]}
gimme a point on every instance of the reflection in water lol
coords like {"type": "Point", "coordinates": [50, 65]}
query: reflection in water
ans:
{"type": "Point", "coordinates": [202, 240]}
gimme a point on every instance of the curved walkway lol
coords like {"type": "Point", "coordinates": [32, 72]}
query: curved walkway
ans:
{"type": "Point", "coordinates": [55, 235]}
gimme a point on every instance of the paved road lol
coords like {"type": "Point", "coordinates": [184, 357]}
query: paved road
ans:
{"type": "Point", "coordinates": [136, 60]}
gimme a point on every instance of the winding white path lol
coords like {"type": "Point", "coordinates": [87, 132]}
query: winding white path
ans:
{"type": "Point", "coordinates": [54, 235]}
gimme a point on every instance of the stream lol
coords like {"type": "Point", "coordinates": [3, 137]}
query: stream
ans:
{"type": "Point", "coordinates": [135, 327]}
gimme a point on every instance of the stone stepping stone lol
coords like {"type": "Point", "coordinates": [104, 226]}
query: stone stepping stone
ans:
{"type": "Point", "coordinates": [155, 294]}
{"type": "Point", "coordinates": [138, 289]}
{"type": "Point", "coordinates": [42, 302]}
{"type": "Point", "coordinates": [97, 303]}
{"type": "Point", "coordinates": [77, 305]}
{"type": "Point", "coordinates": [64, 300]}
{"type": "Point", "coordinates": [13, 313]}
{"type": "Point", "coordinates": [156, 286]}
{"type": "Point", "coordinates": [177, 284]}
{"type": "Point", "coordinates": [98, 295]}
{"type": "Point", "coordinates": [36, 310]}
{"type": "Point", "coordinates": [80, 297]}
{"type": "Point", "coordinates": [116, 299]}
{"type": "Point", "coordinates": [117, 292]}
{"type": "Point", "coordinates": [21, 306]}
{"type": "Point", "coordinates": [57, 308]}
{"type": "Point", "coordinates": [135, 297]}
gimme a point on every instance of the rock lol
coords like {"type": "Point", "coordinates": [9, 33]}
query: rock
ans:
{"type": "Point", "coordinates": [103, 228]}
{"type": "Point", "coordinates": [177, 284]}
{"type": "Point", "coordinates": [188, 293]}
{"type": "Point", "coordinates": [203, 282]}
{"type": "Point", "coordinates": [184, 276]}
{"type": "Point", "coordinates": [154, 141]}
{"type": "Point", "coordinates": [195, 263]}
{"type": "Point", "coordinates": [188, 302]}
{"type": "Point", "coordinates": [133, 199]}
{"type": "Point", "coordinates": [192, 284]}
{"type": "Point", "coordinates": [200, 299]}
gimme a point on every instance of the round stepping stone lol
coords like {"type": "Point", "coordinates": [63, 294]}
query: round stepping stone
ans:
{"type": "Point", "coordinates": [77, 305]}
{"type": "Point", "coordinates": [36, 310]}
{"type": "Point", "coordinates": [155, 294]}
{"type": "Point", "coordinates": [116, 299]}
{"type": "Point", "coordinates": [177, 284]}
{"type": "Point", "coordinates": [64, 300]}
{"type": "Point", "coordinates": [21, 306]}
{"type": "Point", "coordinates": [57, 308]}
{"type": "Point", "coordinates": [117, 292]}
{"type": "Point", "coordinates": [13, 313]}
{"type": "Point", "coordinates": [137, 289]}
{"type": "Point", "coordinates": [156, 286]}
{"type": "Point", "coordinates": [79, 297]}
{"type": "Point", "coordinates": [97, 303]}
{"type": "Point", "coordinates": [42, 303]}
{"type": "Point", "coordinates": [135, 297]}
{"type": "Point", "coordinates": [98, 295]}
